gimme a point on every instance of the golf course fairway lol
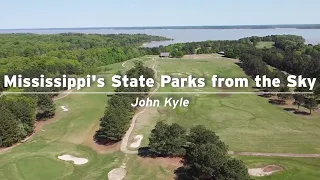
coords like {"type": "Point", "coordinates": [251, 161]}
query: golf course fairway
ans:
{"type": "Point", "coordinates": [246, 123]}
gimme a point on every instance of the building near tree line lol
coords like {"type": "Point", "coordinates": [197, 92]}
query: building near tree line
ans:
{"type": "Point", "coordinates": [164, 54]}
{"type": "Point", "coordinates": [221, 52]}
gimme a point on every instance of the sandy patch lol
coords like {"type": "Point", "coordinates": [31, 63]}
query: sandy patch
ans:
{"type": "Point", "coordinates": [76, 160]}
{"type": "Point", "coordinates": [224, 95]}
{"type": "Point", "coordinates": [62, 95]}
{"type": "Point", "coordinates": [137, 141]}
{"type": "Point", "coordinates": [224, 89]}
{"type": "Point", "coordinates": [26, 139]}
{"type": "Point", "coordinates": [165, 162]}
{"type": "Point", "coordinates": [64, 108]}
{"type": "Point", "coordinates": [265, 171]}
{"type": "Point", "coordinates": [177, 74]}
{"type": "Point", "coordinates": [198, 56]}
{"type": "Point", "coordinates": [117, 174]}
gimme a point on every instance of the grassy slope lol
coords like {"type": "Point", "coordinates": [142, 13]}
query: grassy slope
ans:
{"type": "Point", "coordinates": [37, 158]}
{"type": "Point", "coordinates": [244, 122]}
{"type": "Point", "coordinates": [69, 134]}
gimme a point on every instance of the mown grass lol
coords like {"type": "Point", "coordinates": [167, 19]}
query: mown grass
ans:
{"type": "Point", "coordinates": [294, 168]}
{"type": "Point", "coordinates": [146, 169]}
{"type": "Point", "coordinates": [244, 122]}
{"type": "Point", "coordinates": [37, 158]}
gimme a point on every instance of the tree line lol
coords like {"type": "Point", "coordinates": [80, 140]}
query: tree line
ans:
{"type": "Point", "coordinates": [204, 155]}
{"type": "Point", "coordinates": [19, 113]}
{"type": "Point", "coordinates": [118, 113]}
{"type": "Point", "coordinates": [28, 45]}
{"type": "Point", "coordinates": [289, 55]}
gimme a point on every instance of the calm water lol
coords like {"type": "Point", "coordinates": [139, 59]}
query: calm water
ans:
{"type": "Point", "coordinates": [312, 36]}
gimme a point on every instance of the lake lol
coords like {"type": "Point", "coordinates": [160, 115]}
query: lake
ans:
{"type": "Point", "coordinates": [312, 36]}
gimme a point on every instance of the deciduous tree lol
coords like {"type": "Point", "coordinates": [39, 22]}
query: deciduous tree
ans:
{"type": "Point", "coordinates": [167, 140]}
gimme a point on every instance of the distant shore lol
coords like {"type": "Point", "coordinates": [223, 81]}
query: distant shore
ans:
{"type": "Point", "coordinates": [291, 26]}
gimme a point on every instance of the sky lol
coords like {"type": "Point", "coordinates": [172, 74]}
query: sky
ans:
{"type": "Point", "coordinates": [25, 14]}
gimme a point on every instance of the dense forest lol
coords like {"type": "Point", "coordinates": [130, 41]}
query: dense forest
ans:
{"type": "Point", "coordinates": [32, 55]}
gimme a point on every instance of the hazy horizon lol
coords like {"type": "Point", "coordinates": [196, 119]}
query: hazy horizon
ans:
{"type": "Point", "coordinates": [158, 26]}
{"type": "Point", "coordinates": [36, 14]}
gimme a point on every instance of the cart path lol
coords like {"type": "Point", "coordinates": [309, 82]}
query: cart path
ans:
{"type": "Point", "coordinates": [66, 93]}
{"type": "Point", "coordinates": [125, 140]}
{"type": "Point", "coordinates": [274, 154]}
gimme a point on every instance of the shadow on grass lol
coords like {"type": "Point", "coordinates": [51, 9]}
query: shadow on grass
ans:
{"type": "Point", "coordinates": [146, 152]}
{"type": "Point", "coordinates": [302, 113]}
{"type": "Point", "coordinates": [277, 101]}
{"type": "Point", "coordinates": [295, 111]}
{"type": "Point", "coordinates": [181, 174]}
{"type": "Point", "coordinates": [254, 87]}
{"type": "Point", "coordinates": [265, 95]}
{"type": "Point", "coordinates": [289, 109]}
{"type": "Point", "coordinates": [104, 142]}
{"type": "Point", "coordinates": [101, 140]}
{"type": "Point", "coordinates": [240, 65]}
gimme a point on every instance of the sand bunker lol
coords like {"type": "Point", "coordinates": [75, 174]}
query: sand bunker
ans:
{"type": "Point", "coordinates": [76, 160]}
{"type": "Point", "coordinates": [265, 171]}
{"type": "Point", "coordinates": [137, 141]}
{"type": "Point", "coordinates": [64, 108]}
{"type": "Point", "coordinates": [117, 174]}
